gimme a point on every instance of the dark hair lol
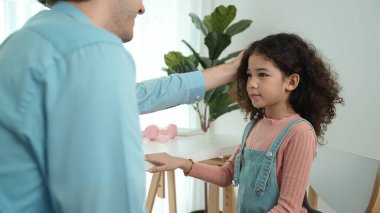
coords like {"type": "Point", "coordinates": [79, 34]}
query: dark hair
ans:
{"type": "Point", "coordinates": [318, 90]}
{"type": "Point", "coordinates": [49, 3]}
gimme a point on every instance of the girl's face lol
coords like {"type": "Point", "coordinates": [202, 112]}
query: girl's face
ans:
{"type": "Point", "coordinates": [267, 86]}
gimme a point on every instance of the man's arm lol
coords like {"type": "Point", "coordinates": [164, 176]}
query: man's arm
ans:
{"type": "Point", "coordinates": [186, 88]}
{"type": "Point", "coordinates": [169, 91]}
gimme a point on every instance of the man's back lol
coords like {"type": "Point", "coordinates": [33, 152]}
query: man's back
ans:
{"type": "Point", "coordinates": [51, 103]}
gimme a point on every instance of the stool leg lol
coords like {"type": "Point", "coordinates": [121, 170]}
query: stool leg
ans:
{"type": "Point", "coordinates": [152, 192]}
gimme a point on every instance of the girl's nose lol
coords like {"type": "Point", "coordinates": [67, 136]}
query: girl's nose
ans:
{"type": "Point", "coordinates": [252, 84]}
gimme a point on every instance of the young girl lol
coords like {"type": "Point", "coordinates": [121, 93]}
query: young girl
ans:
{"type": "Point", "coordinates": [289, 94]}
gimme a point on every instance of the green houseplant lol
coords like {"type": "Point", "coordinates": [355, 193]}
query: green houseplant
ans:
{"type": "Point", "coordinates": [217, 30]}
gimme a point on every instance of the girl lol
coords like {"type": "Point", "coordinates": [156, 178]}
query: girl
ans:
{"type": "Point", "coordinates": [289, 94]}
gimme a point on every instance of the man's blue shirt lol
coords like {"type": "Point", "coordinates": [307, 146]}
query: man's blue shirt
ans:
{"type": "Point", "coordinates": [70, 139]}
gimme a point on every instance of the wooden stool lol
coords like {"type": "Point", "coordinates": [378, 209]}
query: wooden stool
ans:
{"type": "Point", "coordinates": [157, 187]}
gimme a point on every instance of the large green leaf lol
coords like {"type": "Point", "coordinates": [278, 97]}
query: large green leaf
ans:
{"type": "Point", "coordinates": [173, 58]}
{"type": "Point", "coordinates": [217, 31]}
{"type": "Point", "coordinates": [187, 66]}
{"type": "Point", "coordinates": [177, 63]}
{"type": "Point", "coordinates": [198, 23]}
{"type": "Point", "coordinates": [238, 27]}
{"type": "Point", "coordinates": [229, 56]}
{"type": "Point", "coordinates": [214, 92]}
{"type": "Point", "coordinates": [219, 90]}
{"type": "Point", "coordinates": [216, 43]}
{"type": "Point", "coordinates": [196, 55]}
{"type": "Point", "coordinates": [206, 62]}
{"type": "Point", "coordinates": [220, 105]}
{"type": "Point", "coordinates": [219, 20]}
{"type": "Point", "coordinates": [222, 101]}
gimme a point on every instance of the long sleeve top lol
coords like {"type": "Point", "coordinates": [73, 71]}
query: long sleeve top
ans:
{"type": "Point", "coordinates": [70, 138]}
{"type": "Point", "coordinates": [293, 162]}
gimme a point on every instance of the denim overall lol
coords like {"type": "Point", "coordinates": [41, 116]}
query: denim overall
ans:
{"type": "Point", "coordinates": [255, 174]}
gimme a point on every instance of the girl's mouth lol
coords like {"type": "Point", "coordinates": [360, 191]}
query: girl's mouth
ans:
{"type": "Point", "coordinates": [254, 96]}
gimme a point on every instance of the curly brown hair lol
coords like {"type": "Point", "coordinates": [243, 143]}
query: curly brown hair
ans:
{"type": "Point", "coordinates": [318, 90]}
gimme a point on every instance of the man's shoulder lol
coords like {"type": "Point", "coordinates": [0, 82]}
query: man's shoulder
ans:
{"type": "Point", "coordinates": [67, 34]}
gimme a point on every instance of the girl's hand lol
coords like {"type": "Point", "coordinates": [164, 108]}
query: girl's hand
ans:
{"type": "Point", "coordinates": [165, 162]}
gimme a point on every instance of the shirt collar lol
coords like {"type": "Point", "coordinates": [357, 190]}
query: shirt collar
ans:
{"type": "Point", "coordinates": [70, 10]}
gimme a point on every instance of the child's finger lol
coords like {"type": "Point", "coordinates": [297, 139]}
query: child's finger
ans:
{"type": "Point", "coordinates": [153, 158]}
{"type": "Point", "coordinates": [157, 169]}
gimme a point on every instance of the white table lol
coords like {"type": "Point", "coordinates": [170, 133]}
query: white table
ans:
{"type": "Point", "coordinates": [199, 147]}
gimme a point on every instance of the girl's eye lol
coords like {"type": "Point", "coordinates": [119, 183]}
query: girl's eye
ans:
{"type": "Point", "coordinates": [262, 75]}
{"type": "Point", "coordinates": [249, 75]}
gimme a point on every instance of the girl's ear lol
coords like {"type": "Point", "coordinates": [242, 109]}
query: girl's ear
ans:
{"type": "Point", "coordinates": [292, 82]}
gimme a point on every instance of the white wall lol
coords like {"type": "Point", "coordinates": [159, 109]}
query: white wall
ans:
{"type": "Point", "coordinates": [347, 33]}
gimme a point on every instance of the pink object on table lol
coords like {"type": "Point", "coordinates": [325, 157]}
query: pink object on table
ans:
{"type": "Point", "coordinates": [153, 133]}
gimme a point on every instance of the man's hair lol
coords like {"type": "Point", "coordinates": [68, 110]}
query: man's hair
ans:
{"type": "Point", "coordinates": [49, 3]}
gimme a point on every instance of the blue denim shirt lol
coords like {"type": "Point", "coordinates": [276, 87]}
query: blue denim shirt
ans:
{"type": "Point", "coordinates": [70, 139]}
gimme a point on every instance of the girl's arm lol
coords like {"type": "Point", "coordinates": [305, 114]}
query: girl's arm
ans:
{"type": "Point", "coordinates": [218, 175]}
{"type": "Point", "coordinates": [166, 162]}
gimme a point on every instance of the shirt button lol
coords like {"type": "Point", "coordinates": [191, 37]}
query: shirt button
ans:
{"type": "Point", "coordinates": [269, 154]}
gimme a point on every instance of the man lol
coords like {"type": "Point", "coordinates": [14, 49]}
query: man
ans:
{"type": "Point", "coordinates": [69, 130]}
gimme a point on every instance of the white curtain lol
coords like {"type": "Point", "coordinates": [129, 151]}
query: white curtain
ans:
{"type": "Point", "coordinates": [159, 30]}
{"type": "Point", "coordinates": [14, 13]}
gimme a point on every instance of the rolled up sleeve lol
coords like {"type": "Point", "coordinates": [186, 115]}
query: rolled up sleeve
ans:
{"type": "Point", "coordinates": [166, 92]}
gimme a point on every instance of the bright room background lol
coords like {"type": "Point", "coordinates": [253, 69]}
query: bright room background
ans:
{"type": "Point", "coordinates": [346, 32]}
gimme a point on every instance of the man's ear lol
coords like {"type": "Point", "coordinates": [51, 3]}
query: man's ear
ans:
{"type": "Point", "coordinates": [292, 82]}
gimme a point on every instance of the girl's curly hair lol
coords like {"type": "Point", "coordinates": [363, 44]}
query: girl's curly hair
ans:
{"type": "Point", "coordinates": [318, 90]}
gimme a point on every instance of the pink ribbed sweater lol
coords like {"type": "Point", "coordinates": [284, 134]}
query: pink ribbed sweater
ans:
{"type": "Point", "coordinates": [293, 163]}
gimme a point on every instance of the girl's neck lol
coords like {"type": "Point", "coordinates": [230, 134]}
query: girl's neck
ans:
{"type": "Point", "coordinates": [279, 114]}
{"type": "Point", "coordinates": [279, 117]}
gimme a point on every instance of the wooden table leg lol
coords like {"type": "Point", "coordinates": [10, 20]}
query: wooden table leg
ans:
{"type": "Point", "coordinates": [161, 186]}
{"type": "Point", "coordinates": [152, 192]}
{"type": "Point", "coordinates": [229, 199]}
{"type": "Point", "coordinates": [213, 199]}
{"type": "Point", "coordinates": [171, 192]}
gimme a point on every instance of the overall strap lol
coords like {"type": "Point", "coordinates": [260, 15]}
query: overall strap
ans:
{"type": "Point", "coordinates": [245, 134]}
{"type": "Point", "coordinates": [238, 159]}
{"type": "Point", "coordinates": [270, 155]}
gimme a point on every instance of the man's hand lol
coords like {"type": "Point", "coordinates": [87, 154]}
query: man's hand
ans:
{"type": "Point", "coordinates": [222, 74]}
